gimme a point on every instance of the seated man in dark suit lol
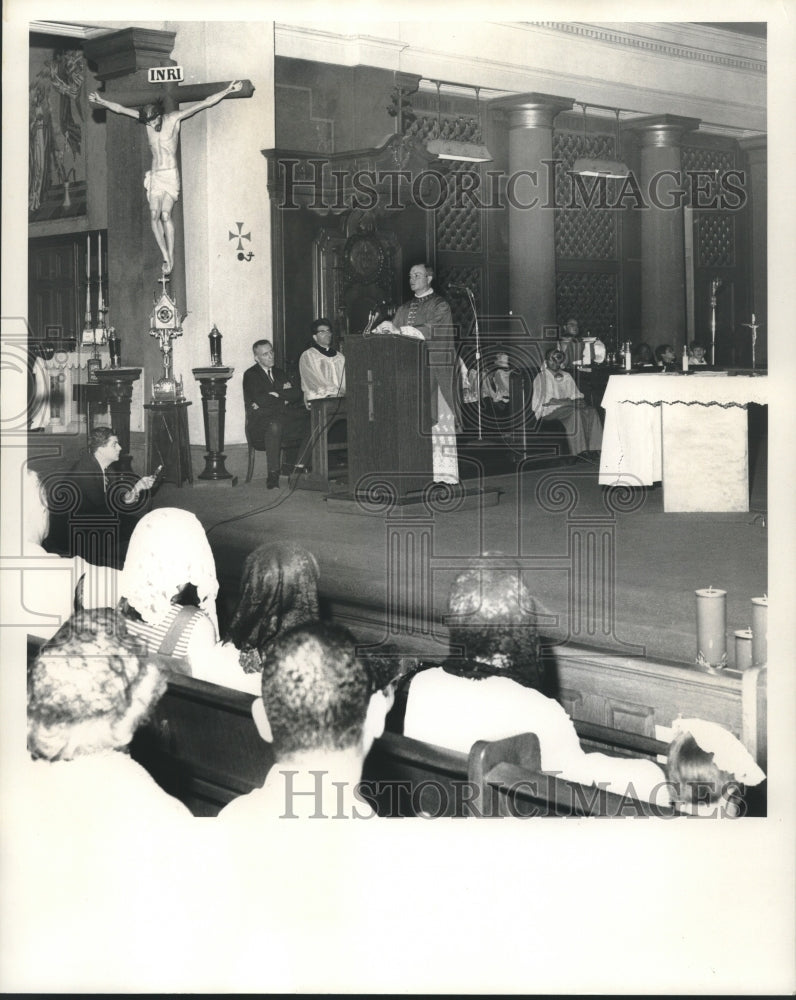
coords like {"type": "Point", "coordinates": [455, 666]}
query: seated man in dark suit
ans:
{"type": "Point", "coordinates": [103, 495]}
{"type": "Point", "coordinates": [270, 417]}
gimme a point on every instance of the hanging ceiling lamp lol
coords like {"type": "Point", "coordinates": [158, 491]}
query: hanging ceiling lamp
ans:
{"type": "Point", "coordinates": [452, 149]}
{"type": "Point", "coordinates": [589, 166]}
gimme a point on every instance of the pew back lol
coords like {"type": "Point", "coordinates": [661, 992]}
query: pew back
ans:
{"type": "Point", "coordinates": [201, 745]}
{"type": "Point", "coordinates": [507, 780]}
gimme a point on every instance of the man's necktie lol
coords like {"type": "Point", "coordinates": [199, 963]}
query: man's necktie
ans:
{"type": "Point", "coordinates": [268, 372]}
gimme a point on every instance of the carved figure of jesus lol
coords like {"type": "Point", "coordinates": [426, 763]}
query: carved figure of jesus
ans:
{"type": "Point", "coordinates": [162, 182]}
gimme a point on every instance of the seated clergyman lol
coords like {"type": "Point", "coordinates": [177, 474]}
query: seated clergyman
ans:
{"type": "Point", "coordinates": [321, 366]}
{"type": "Point", "coordinates": [556, 397]}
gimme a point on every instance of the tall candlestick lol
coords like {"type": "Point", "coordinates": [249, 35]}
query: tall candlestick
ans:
{"type": "Point", "coordinates": [759, 630]}
{"type": "Point", "coordinates": [711, 606]}
{"type": "Point", "coordinates": [87, 324]}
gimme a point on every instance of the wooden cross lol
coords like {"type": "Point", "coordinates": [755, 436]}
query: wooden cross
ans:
{"type": "Point", "coordinates": [173, 94]}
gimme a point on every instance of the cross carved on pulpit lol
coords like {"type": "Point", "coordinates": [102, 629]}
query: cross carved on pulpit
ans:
{"type": "Point", "coordinates": [158, 108]}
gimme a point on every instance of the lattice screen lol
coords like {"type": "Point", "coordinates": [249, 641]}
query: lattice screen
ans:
{"type": "Point", "coordinates": [592, 299]}
{"type": "Point", "coordinates": [582, 232]}
{"type": "Point", "coordinates": [715, 228]}
{"type": "Point", "coordinates": [472, 277]}
{"type": "Point", "coordinates": [458, 225]}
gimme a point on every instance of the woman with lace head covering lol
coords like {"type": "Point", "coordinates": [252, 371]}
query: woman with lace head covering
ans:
{"type": "Point", "coordinates": [278, 591]}
{"type": "Point", "coordinates": [488, 688]}
{"type": "Point", "coordinates": [708, 769]}
{"type": "Point", "coordinates": [90, 688]}
{"type": "Point", "coordinates": [168, 586]}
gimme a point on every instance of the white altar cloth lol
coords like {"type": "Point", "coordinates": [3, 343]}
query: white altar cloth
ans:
{"type": "Point", "coordinates": [635, 425]}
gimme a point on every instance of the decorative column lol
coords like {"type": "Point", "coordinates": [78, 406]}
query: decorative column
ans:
{"type": "Point", "coordinates": [530, 196]}
{"type": "Point", "coordinates": [117, 384]}
{"type": "Point", "coordinates": [756, 188]}
{"type": "Point", "coordinates": [213, 383]}
{"type": "Point", "coordinates": [663, 303]}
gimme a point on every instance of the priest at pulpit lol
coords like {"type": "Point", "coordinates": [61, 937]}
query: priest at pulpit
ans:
{"type": "Point", "coordinates": [427, 316]}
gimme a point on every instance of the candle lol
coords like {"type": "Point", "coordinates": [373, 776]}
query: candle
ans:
{"type": "Point", "coordinates": [88, 257]}
{"type": "Point", "coordinates": [759, 630]}
{"type": "Point", "coordinates": [711, 606]}
{"type": "Point", "coordinates": [99, 257]}
{"type": "Point", "coordinates": [115, 348]}
{"type": "Point", "coordinates": [743, 648]}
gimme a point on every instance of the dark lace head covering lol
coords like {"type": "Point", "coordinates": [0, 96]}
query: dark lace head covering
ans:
{"type": "Point", "coordinates": [493, 626]}
{"type": "Point", "coordinates": [279, 590]}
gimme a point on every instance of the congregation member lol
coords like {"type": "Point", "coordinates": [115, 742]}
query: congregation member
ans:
{"type": "Point", "coordinates": [321, 707]}
{"type": "Point", "coordinates": [272, 419]}
{"type": "Point", "coordinates": [555, 396]}
{"type": "Point", "coordinates": [709, 769]}
{"type": "Point", "coordinates": [427, 316]}
{"type": "Point", "coordinates": [696, 354]}
{"type": "Point", "coordinates": [102, 491]}
{"type": "Point", "coordinates": [89, 689]}
{"type": "Point", "coordinates": [321, 366]}
{"type": "Point", "coordinates": [490, 687]}
{"type": "Point", "coordinates": [55, 584]}
{"type": "Point", "coordinates": [279, 591]}
{"type": "Point", "coordinates": [168, 587]}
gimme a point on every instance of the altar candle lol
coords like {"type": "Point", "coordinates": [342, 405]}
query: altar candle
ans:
{"type": "Point", "coordinates": [711, 627]}
{"type": "Point", "coordinates": [88, 257]}
{"type": "Point", "coordinates": [743, 648]}
{"type": "Point", "coordinates": [759, 630]}
{"type": "Point", "coordinates": [99, 257]}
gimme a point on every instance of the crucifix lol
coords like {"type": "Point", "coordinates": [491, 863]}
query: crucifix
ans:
{"type": "Point", "coordinates": [753, 326]}
{"type": "Point", "coordinates": [158, 109]}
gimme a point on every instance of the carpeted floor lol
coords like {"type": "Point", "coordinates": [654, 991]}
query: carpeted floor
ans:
{"type": "Point", "coordinates": [610, 571]}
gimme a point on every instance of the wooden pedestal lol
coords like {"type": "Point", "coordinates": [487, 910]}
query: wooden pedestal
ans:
{"type": "Point", "coordinates": [167, 441]}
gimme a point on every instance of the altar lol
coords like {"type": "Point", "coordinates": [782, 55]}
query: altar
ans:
{"type": "Point", "coordinates": [687, 431]}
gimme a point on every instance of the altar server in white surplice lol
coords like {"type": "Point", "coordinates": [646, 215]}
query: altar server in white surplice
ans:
{"type": "Point", "coordinates": [556, 397]}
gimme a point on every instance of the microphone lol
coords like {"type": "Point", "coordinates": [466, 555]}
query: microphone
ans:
{"type": "Point", "coordinates": [457, 286]}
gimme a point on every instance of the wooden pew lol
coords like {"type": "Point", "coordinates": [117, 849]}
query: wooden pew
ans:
{"type": "Point", "coordinates": [507, 780]}
{"type": "Point", "coordinates": [201, 745]}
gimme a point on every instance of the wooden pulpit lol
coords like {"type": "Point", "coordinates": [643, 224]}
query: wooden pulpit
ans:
{"type": "Point", "coordinates": [389, 420]}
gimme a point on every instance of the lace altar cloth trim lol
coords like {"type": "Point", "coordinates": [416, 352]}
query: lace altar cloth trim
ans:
{"type": "Point", "coordinates": [696, 390]}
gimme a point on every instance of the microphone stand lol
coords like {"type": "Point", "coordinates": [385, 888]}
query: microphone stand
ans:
{"type": "Point", "coordinates": [714, 284]}
{"type": "Point", "coordinates": [471, 300]}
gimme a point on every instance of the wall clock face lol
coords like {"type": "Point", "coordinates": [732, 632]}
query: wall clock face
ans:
{"type": "Point", "coordinates": [364, 257]}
